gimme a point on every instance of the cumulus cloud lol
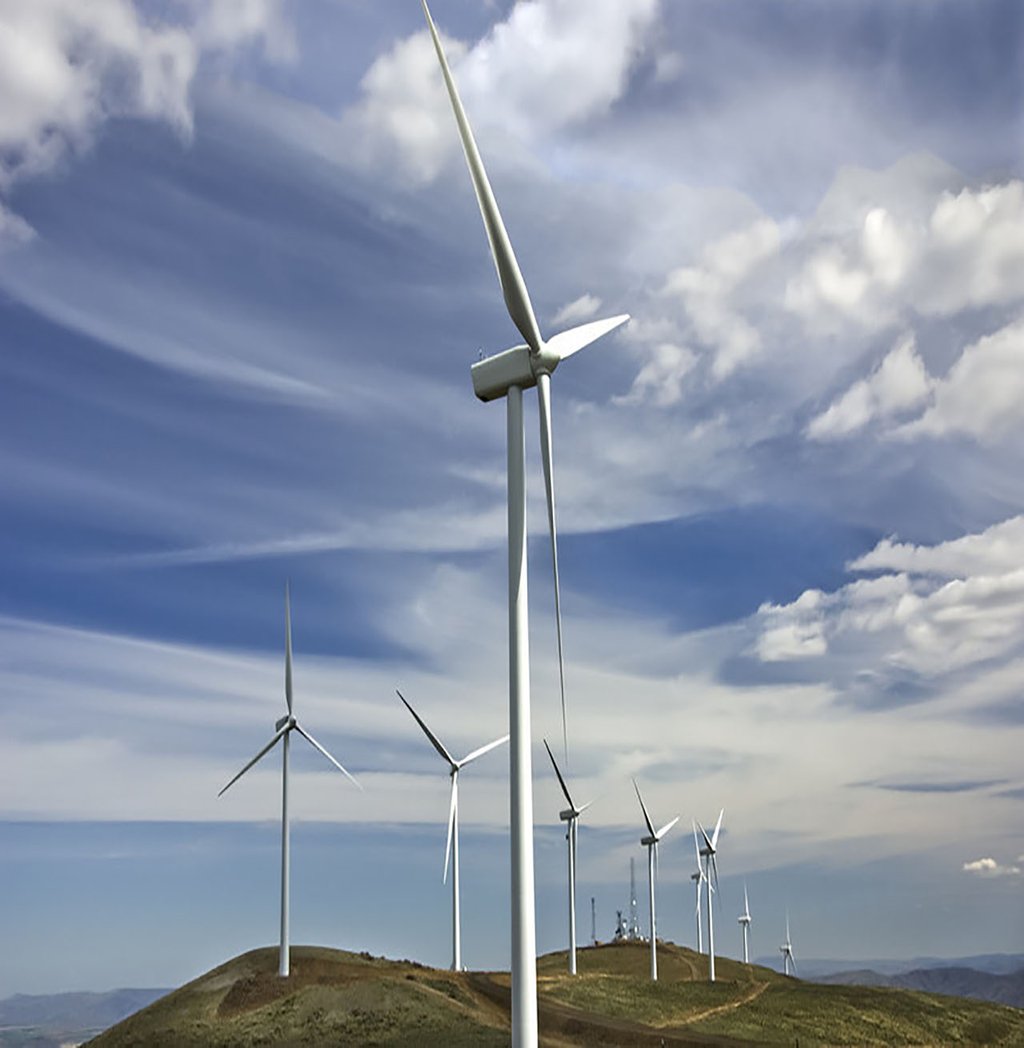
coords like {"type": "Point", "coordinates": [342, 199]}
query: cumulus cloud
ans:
{"type": "Point", "coordinates": [66, 67]}
{"type": "Point", "coordinates": [899, 383]}
{"type": "Point", "coordinates": [580, 309]}
{"type": "Point", "coordinates": [709, 292]}
{"type": "Point", "coordinates": [550, 64]}
{"type": "Point", "coordinates": [660, 380]}
{"type": "Point", "coordinates": [988, 867]}
{"type": "Point", "coordinates": [983, 393]}
{"type": "Point", "coordinates": [907, 619]}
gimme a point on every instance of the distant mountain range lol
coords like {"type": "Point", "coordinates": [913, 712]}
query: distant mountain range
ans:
{"type": "Point", "coordinates": [51, 1020]}
{"type": "Point", "coordinates": [815, 967]}
{"type": "Point", "coordinates": [960, 982]}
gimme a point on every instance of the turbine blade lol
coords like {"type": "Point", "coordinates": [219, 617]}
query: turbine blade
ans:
{"type": "Point", "coordinates": [704, 834]}
{"type": "Point", "coordinates": [668, 826]}
{"type": "Point", "coordinates": [565, 343]}
{"type": "Point", "coordinates": [561, 781]}
{"type": "Point", "coordinates": [746, 901]}
{"type": "Point", "coordinates": [266, 749]}
{"type": "Point", "coordinates": [426, 731]}
{"type": "Point", "coordinates": [718, 827]}
{"type": "Point", "coordinates": [647, 818]}
{"type": "Point", "coordinates": [288, 646]}
{"type": "Point", "coordinates": [583, 807]}
{"type": "Point", "coordinates": [483, 749]}
{"type": "Point", "coordinates": [544, 413]}
{"type": "Point", "coordinates": [513, 287]}
{"type": "Point", "coordinates": [696, 848]}
{"type": "Point", "coordinates": [452, 812]}
{"type": "Point", "coordinates": [316, 745]}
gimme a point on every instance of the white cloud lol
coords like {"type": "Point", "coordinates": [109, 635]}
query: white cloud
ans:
{"type": "Point", "coordinates": [983, 393]}
{"type": "Point", "coordinates": [551, 63]}
{"type": "Point", "coordinates": [708, 292]}
{"type": "Point", "coordinates": [909, 620]}
{"type": "Point", "coordinates": [580, 309]}
{"type": "Point", "coordinates": [899, 383]}
{"type": "Point", "coordinates": [67, 66]}
{"type": "Point", "coordinates": [660, 380]}
{"type": "Point", "coordinates": [988, 867]}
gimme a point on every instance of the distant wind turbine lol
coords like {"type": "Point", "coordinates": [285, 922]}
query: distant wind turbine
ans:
{"type": "Point", "coordinates": [282, 733]}
{"type": "Point", "coordinates": [786, 949]}
{"type": "Point", "coordinates": [745, 919]}
{"type": "Point", "coordinates": [698, 880]}
{"type": "Point", "coordinates": [651, 842]}
{"type": "Point", "coordinates": [508, 374]}
{"type": "Point", "coordinates": [710, 850]}
{"type": "Point", "coordinates": [570, 817]}
{"type": "Point", "coordinates": [451, 848]}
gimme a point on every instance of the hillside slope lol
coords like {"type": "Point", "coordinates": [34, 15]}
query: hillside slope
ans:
{"type": "Point", "coordinates": [334, 997]}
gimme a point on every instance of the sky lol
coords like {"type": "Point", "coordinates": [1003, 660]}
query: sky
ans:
{"type": "Point", "coordinates": [242, 280]}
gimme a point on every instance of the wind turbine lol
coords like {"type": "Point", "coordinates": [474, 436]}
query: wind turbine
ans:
{"type": "Point", "coordinates": [282, 733]}
{"type": "Point", "coordinates": [786, 949]}
{"type": "Point", "coordinates": [570, 817]}
{"type": "Point", "coordinates": [651, 841]}
{"type": "Point", "coordinates": [451, 848]}
{"type": "Point", "coordinates": [709, 851]}
{"type": "Point", "coordinates": [698, 880]}
{"type": "Point", "coordinates": [508, 374]}
{"type": "Point", "coordinates": [744, 920]}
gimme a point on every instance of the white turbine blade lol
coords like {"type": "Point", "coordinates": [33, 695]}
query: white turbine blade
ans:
{"type": "Point", "coordinates": [668, 826]}
{"type": "Point", "coordinates": [426, 731]}
{"type": "Point", "coordinates": [647, 818]}
{"type": "Point", "coordinates": [696, 848]}
{"type": "Point", "coordinates": [787, 927]}
{"type": "Point", "coordinates": [704, 834]}
{"type": "Point", "coordinates": [561, 781]}
{"type": "Point", "coordinates": [583, 807]}
{"type": "Point", "coordinates": [316, 745]}
{"type": "Point", "coordinates": [288, 646]}
{"type": "Point", "coordinates": [266, 749]}
{"type": "Point", "coordinates": [565, 343]}
{"type": "Point", "coordinates": [483, 749]}
{"type": "Point", "coordinates": [746, 901]}
{"type": "Point", "coordinates": [714, 871]}
{"type": "Point", "coordinates": [451, 826]}
{"type": "Point", "coordinates": [513, 287]}
{"type": "Point", "coordinates": [718, 827]}
{"type": "Point", "coordinates": [544, 414]}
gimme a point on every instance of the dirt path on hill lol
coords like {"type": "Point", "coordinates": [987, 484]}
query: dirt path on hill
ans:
{"type": "Point", "coordinates": [756, 992]}
{"type": "Point", "coordinates": [562, 1024]}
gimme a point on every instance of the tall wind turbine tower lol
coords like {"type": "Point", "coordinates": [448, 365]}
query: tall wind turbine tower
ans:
{"type": "Point", "coordinates": [745, 919]}
{"type": "Point", "coordinates": [282, 733]}
{"type": "Point", "coordinates": [709, 850]}
{"type": "Point", "coordinates": [786, 949]}
{"type": "Point", "coordinates": [571, 817]}
{"type": "Point", "coordinates": [634, 920]}
{"type": "Point", "coordinates": [698, 882]}
{"type": "Point", "coordinates": [508, 374]}
{"type": "Point", "coordinates": [651, 842]}
{"type": "Point", "coordinates": [451, 848]}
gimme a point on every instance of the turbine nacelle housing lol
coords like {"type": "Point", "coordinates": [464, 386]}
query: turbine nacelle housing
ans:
{"type": "Point", "coordinates": [518, 366]}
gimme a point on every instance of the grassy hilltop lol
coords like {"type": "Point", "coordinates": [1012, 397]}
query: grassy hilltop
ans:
{"type": "Point", "coordinates": [334, 997]}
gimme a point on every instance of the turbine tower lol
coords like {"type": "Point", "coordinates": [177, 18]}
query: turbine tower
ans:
{"type": "Point", "coordinates": [786, 949]}
{"type": "Point", "coordinates": [709, 850]}
{"type": "Point", "coordinates": [570, 817]}
{"type": "Point", "coordinates": [451, 847]}
{"type": "Point", "coordinates": [508, 374]}
{"type": "Point", "coordinates": [651, 842]}
{"type": "Point", "coordinates": [745, 919]}
{"type": "Point", "coordinates": [698, 879]}
{"type": "Point", "coordinates": [282, 733]}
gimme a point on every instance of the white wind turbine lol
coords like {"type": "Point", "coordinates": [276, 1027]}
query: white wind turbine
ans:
{"type": "Point", "coordinates": [508, 374]}
{"type": "Point", "coordinates": [744, 920]}
{"type": "Point", "coordinates": [786, 949]}
{"type": "Point", "coordinates": [710, 851]}
{"type": "Point", "coordinates": [651, 842]}
{"type": "Point", "coordinates": [570, 817]}
{"type": "Point", "coordinates": [698, 881]}
{"type": "Point", "coordinates": [282, 733]}
{"type": "Point", "coordinates": [451, 848]}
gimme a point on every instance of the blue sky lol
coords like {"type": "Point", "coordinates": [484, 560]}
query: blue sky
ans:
{"type": "Point", "coordinates": [242, 279]}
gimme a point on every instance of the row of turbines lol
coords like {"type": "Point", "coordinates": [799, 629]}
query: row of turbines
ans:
{"type": "Point", "coordinates": [705, 844]}
{"type": "Point", "coordinates": [503, 375]}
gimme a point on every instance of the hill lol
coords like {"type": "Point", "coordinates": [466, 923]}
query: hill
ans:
{"type": "Point", "coordinates": [959, 982]}
{"type": "Point", "coordinates": [334, 997]}
{"type": "Point", "coordinates": [50, 1020]}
